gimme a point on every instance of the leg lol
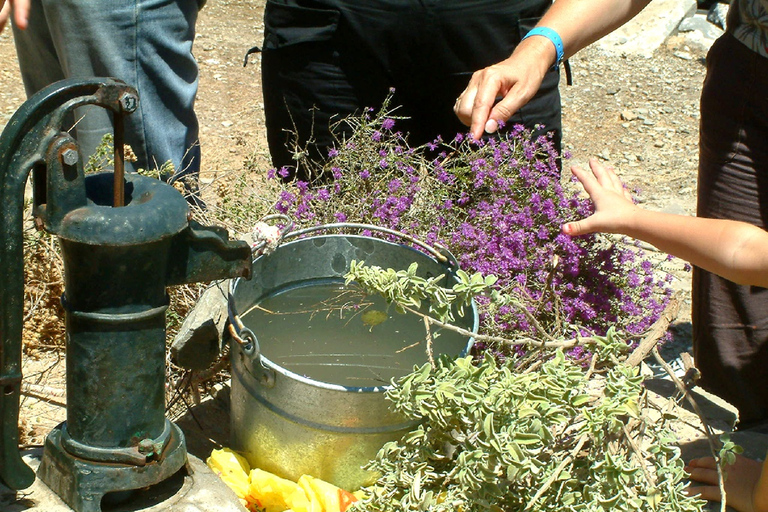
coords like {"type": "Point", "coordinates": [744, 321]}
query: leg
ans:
{"type": "Point", "coordinates": [147, 44]}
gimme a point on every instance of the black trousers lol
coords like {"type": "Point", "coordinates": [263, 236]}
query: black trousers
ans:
{"type": "Point", "coordinates": [324, 60]}
{"type": "Point", "coordinates": [730, 321]}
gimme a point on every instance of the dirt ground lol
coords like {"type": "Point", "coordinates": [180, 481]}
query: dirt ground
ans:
{"type": "Point", "coordinates": [639, 115]}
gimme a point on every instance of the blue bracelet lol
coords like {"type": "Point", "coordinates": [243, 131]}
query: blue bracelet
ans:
{"type": "Point", "coordinates": [552, 36]}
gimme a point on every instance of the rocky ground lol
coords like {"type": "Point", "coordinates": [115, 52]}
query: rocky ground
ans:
{"type": "Point", "coordinates": [637, 114]}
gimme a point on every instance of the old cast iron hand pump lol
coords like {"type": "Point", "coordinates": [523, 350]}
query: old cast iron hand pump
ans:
{"type": "Point", "coordinates": [124, 239]}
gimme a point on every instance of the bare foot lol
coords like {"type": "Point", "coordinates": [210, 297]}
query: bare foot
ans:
{"type": "Point", "coordinates": [746, 487]}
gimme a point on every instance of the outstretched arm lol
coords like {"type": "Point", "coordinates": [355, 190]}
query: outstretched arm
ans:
{"type": "Point", "coordinates": [518, 78]}
{"type": "Point", "coordinates": [20, 9]}
{"type": "Point", "coordinates": [734, 250]}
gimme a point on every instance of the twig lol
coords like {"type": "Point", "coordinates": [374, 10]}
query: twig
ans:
{"type": "Point", "coordinates": [430, 353]}
{"type": "Point", "coordinates": [658, 329]}
{"type": "Point", "coordinates": [201, 376]}
{"type": "Point", "coordinates": [639, 454]}
{"type": "Point", "coordinates": [535, 321]}
{"type": "Point", "coordinates": [567, 460]}
{"type": "Point", "coordinates": [533, 367]}
{"type": "Point", "coordinates": [591, 370]}
{"type": "Point", "coordinates": [44, 393]}
{"type": "Point", "coordinates": [495, 339]}
{"type": "Point", "coordinates": [713, 442]}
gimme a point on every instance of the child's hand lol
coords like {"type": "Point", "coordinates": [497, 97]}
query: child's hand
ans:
{"type": "Point", "coordinates": [742, 488]}
{"type": "Point", "coordinates": [613, 202]}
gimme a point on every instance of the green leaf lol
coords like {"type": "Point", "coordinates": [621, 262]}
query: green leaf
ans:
{"type": "Point", "coordinates": [580, 400]}
{"type": "Point", "coordinates": [526, 438]}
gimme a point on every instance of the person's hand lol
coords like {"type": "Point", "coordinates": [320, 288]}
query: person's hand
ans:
{"type": "Point", "coordinates": [613, 202]}
{"type": "Point", "coordinates": [5, 13]}
{"type": "Point", "coordinates": [741, 483]}
{"type": "Point", "coordinates": [516, 80]}
{"type": "Point", "coordinates": [20, 9]}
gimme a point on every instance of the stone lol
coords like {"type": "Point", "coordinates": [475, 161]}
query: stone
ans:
{"type": "Point", "coordinates": [700, 23]}
{"type": "Point", "coordinates": [628, 115]}
{"type": "Point", "coordinates": [194, 489]}
{"type": "Point", "coordinates": [675, 209]}
{"type": "Point", "coordinates": [718, 14]}
{"type": "Point", "coordinates": [647, 31]}
{"type": "Point", "coordinates": [200, 337]}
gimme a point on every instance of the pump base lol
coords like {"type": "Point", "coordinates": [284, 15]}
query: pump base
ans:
{"type": "Point", "coordinates": [83, 483]}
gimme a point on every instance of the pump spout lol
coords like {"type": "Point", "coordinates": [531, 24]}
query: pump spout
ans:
{"type": "Point", "coordinates": [205, 253]}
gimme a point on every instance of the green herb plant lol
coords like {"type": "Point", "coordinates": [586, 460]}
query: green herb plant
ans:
{"type": "Point", "coordinates": [530, 431]}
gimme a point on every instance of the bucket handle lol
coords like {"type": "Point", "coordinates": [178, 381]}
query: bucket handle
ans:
{"type": "Point", "coordinates": [440, 253]}
{"type": "Point", "coordinates": [244, 337]}
{"type": "Point", "coordinates": [247, 340]}
{"type": "Point", "coordinates": [249, 344]}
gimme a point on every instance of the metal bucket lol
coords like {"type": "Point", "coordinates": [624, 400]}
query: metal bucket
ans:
{"type": "Point", "coordinates": [290, 424]}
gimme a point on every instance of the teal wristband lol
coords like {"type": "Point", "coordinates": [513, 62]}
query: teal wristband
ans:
{"type": "Point", "coordinates": [553, 36]}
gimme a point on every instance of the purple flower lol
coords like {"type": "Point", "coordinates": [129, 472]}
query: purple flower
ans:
{"type": "Point", "coordinates": [497, 205]}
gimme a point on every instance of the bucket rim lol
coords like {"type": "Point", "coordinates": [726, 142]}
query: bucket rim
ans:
{"type": "Point", "coordinates": [450, 264]}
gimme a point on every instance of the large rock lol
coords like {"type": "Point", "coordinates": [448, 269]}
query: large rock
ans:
{"type": "Point", "coordinates": [648, 30]}
{"type": "Point", "coordinates": [199, 340]}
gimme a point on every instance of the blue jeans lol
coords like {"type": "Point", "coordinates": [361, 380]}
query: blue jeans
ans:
{"type": "Point", "coordinates": [145, 43]}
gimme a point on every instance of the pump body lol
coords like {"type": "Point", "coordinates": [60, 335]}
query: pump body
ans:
{"type": "Point", "coordinates": [124, 238]}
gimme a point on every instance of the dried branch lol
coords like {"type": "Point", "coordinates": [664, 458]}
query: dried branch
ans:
{"type": "Point", "coordinates": [548, 483]}
{"type": "Point", "coordinates": [713, 441]}
{"type": "Point", "coordinates": [430, 353]}
{"type": "Point", "coordinates": [657, 330]}
{"type": "Point", "coordinates": [44, 393]}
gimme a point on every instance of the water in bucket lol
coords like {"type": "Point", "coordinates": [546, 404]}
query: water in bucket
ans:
{"type": "Point", "coordinates": [337, 334]}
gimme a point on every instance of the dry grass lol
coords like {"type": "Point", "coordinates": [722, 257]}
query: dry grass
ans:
{"type": "Point", "coordinates": [43, 287]}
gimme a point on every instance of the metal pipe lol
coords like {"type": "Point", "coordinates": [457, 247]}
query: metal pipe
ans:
{"type": "Point", "coordinates": [118, 184]}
